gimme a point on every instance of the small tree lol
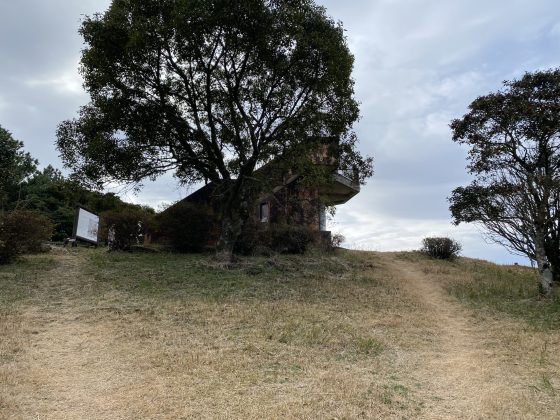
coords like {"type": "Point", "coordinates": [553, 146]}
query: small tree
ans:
{"type": "Point", "coordinates": [514, 140]}
{"type": "Point", "coordinates": [22, 232]}
{"type": "Point", "coordinates": [15, 166]}
{"type": "Point", "coordinates": [212, 90]}
{"type": "Point", "coordinates": [441, 248]}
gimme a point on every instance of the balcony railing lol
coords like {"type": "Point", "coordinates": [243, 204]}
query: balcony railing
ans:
{"type": "Point", "coordinates": [343, 179]}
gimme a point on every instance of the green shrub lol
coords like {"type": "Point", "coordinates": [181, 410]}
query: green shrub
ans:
{"type": "Point", "coordinates": [284, 239]}
{"type": "Point", "coordinates": [250, 240]}
{"type": "Point", "coordinates": [290, 239]}
{"type": "Point", "coordinates": [126, 228]}
{"type": "Point", "coordinates": [336, 240]}
{"type": "Point", "coordinates": [441, 248]}
{"type": "Point", "coordinates": [22, 232]}
{"type": "Point", "coordinates": [329, 242]}
{"type": "Point", "coordinates": [187, 227]}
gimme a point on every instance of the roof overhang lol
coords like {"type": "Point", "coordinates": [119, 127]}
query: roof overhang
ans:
{"type": "Point", "coordinates": [339, 191]}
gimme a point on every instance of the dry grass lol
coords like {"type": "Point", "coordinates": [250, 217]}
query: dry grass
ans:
{"type": "Point", "coordinates": [492, 288]}
{"type": "Point", "coordinates": [86, 334]}
{"type": "Point", "coordinates": [517, 334]}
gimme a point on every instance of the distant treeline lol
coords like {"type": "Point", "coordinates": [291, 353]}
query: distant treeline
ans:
{"type": "Point", "coordinates": [47, 192]}
{"type": "Point", "coordinates": [51, 194]}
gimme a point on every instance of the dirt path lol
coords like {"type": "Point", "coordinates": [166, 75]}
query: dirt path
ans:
{"type": "Point", "coordinates": [92, 352]}
{"type": "Point", "coordinates": [458, 368]}
{"type": "Point", "coordinates": [72, 368]}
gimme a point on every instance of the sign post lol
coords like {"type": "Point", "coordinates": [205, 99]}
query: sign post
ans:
{"type": "Point", "coordinates": [86, 226]}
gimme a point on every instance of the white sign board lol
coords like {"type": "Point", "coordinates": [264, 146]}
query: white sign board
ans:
{"type": "Point", "coordinates": [87, 225]}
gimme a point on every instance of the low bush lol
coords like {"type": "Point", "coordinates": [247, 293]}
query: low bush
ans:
{"type": "Point", "coordinates": [22, 232]}
{"type": "Point", "coordinates": [186, 227]}
{"type": "Point", "coordinates": [126, 228]}
{"type": "Point", "coordinates": [283, 239]}
{"type": "Point", "coordinates": [336, 240]}
{"type": "Point", "coordinates": [441, 248]}
{"type": "Point", "coordinates": [329, 242]}
{"type": "Point", "coordinates": [290, 239]}
{"type": "Point", "coordinates": [251, 241]}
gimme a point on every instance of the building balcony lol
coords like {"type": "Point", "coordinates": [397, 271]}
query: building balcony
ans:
{"type": "Point", "coordinates": [340, 190]}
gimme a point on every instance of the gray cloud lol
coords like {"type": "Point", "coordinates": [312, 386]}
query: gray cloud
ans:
{"type": "Point", "coordinates": [418, 65]}
{"type": "Point", "coordinates": [39, 81]}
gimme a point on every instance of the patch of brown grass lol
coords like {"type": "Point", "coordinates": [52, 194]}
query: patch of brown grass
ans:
{"type": "Point", "coordinates": [517, 335]}
{"type": "Point", "coordinates": [16, 282]}
{"type": "Point", "coordinates": [338, 336]}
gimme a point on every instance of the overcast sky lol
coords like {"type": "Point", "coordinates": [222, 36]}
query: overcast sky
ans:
{"type": "Point", "coordinates": [419, 63]}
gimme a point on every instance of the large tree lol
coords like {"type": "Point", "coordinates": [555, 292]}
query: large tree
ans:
{"type": "Point", "coordinates": [212, 90]}
{"type": "Point", "coordinates": [514, 141]}
{"type": "Point", "coordinates": [16, 166]}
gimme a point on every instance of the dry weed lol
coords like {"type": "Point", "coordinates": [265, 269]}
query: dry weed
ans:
{"type": "Point", "coordinates": [352, 335]}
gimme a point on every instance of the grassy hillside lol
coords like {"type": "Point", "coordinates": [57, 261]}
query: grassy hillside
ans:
{"type": "Point", "coordinates": [346, 335]}
{"type": "Point", "coordinates": [507, 289]}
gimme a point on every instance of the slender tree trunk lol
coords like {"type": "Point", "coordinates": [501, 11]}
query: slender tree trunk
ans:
{"type": "Point", "coordinates": [235, 213]}
{"type": "Point", "coordinates": [553, 256]}
{"type": "Point", "coordinates": [231, 230]}
{"type": "Point", "coordinates": [546, 285]}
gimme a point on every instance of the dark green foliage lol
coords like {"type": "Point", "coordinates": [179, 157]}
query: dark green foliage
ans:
{"type": "Point", "coordinates": [22, 232]}
{"type": "Point", "coordinates": [49, 193]}
{"type": "Point", "coordinates": [329, 242]}
{"type": "Point", "coordinates": [290, 239]}
{"type": "Point", "coordinates": [441, 248]}
{"type": "Point", "coordinates": [187, 227]}
{"type": "Point", "coordinates": [336, 240]}
{"type": "Point", "coordinates": [15, 166]}
{"type": "Point", "coordinates": [284, 239]}
{"type": "Point", "coordinates": [249, 240]}
{"type": "Point", "coordinates": [129, 227]}
{"type": "Point", "coordinates": [514, 141]}
{"type": "Point", "coordinates": [46, 192]}
{"type": "Point", "coordinates": [176, 84]}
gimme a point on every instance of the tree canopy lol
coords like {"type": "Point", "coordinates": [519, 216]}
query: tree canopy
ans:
{"type": "Point", "coordinates": [55, 196]}
{"type": "Point", "coordinates": [47, 192]}
{"type": "Point", "coordinates": [514, 156]}
{"type": "Point", "coordinates": [15, 165]}
{"type": "Point", "coordinates": [210, 89]}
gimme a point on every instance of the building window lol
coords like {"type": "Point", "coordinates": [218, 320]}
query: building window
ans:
{"type": "Point", "coordinates": [264, 212]}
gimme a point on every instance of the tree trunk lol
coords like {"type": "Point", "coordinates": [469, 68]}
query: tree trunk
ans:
{"type": "Point", "coordinates": [234, 214]}
{"type": "Point", "coordinates": [231, 229]}
{"type": "Point", "coordinates": [553, 256]}
{"type": "Point", "coordinates": [546, 285]}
